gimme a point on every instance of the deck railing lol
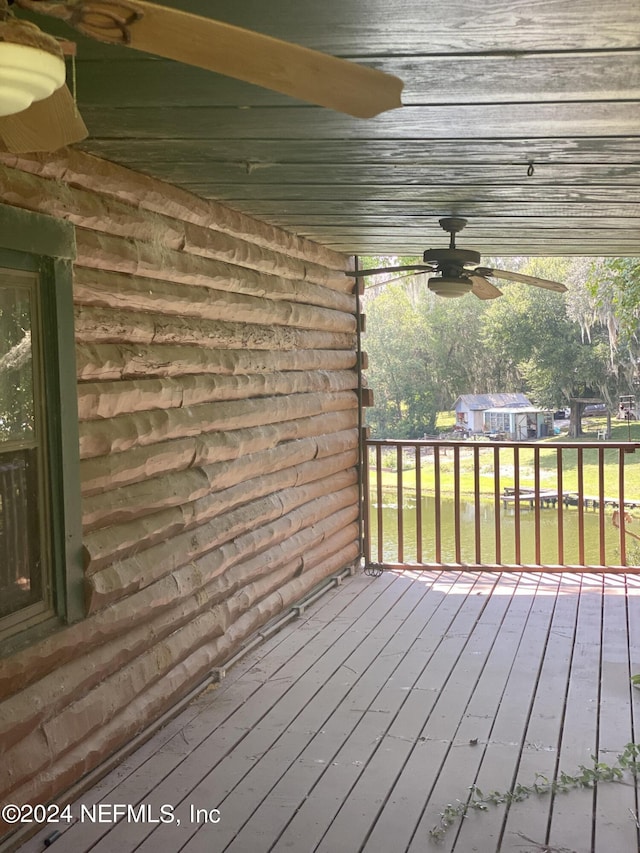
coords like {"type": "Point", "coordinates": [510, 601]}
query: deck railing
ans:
{"type": "Point", "coordinates": [500, 504]}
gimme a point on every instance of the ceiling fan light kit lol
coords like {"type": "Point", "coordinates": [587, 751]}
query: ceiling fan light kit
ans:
{"type": "Point", "coordinates": [450, 288]}
{"type": "Point", "coordinates": [27, 74]}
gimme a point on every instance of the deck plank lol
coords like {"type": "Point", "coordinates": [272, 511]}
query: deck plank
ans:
{"type": "Point", "coordinates": [310, 742]}
{"type": "Point", "coordinates": [499, 756]}
{"type": "Point", "coordinates": [371, 717]}
{"type": "Point", "coordinates": [528, 819]}
{"type": "Point", "coordinates": [380, 744]}
{"type": "Point", "coordinates": [632, 599]}
{"type": "Point", "coordinates": [615, 710]}
{"type": "Point", "coordinates": [443, 744]}
{"type": "Point", "coordinates": [349, 730]}
{"type": "Point", "coordinates": [275, 662]}
{"type": "Point", "coordinates": [571, 815]}
{"type": "Point", "coordinates": [218, 766]}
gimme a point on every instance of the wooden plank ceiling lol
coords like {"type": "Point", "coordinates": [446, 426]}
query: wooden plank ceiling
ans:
{"type": "Point", "coordinates": [491, 89]}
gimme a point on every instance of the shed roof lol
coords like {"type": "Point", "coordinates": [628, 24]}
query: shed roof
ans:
{"type": "Point", "coordinates": [479, 402]}
{"type": "Point", "coordinates": [516, 410]}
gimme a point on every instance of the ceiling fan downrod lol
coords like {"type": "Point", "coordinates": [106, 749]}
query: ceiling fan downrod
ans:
{"type": "Point", "coordinates": [452, 261]}
{"type": "Point", "coordinates": [452, 225]}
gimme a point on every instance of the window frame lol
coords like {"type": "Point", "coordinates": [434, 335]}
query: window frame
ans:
{"type": "Point", "coordinates": [37, 243]}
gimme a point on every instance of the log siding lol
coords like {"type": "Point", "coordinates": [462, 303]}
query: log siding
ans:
{"type": "Point", "coordinates": [218, 415]}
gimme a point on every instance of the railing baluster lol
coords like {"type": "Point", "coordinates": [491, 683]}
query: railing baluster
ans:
{"type": "Point", "coordinates": [366, 509]}
{"type": "Point", "coordinates": [581, 559]}
{"type": "Point", "coordinates": [601, 506]}
{"type": "Point", "coordinates": [536, 503]}
{"type": "Point", "coordinates": [623, 543]}
{"type": "Point", "coordinates": [516, 503]}
{"type": "Point", "coordinates": [400, 504]}
{"type": "Point", "coordinates": [560, 506]}
{"type": "Point", "coordinates": [497, 499]}
{"type": "Point", "coordinates": [476, 502]}
{"type": "Point", "coordinates": [418, 456]}
{"type": "Point", "coordinates": [437, 506]}
{"type": "Point", "coordinates": [379, 503]}
{"type": "Point", "coordinates": [456, 502]}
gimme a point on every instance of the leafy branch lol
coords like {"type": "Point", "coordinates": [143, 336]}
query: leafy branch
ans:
{"type": "Point", "coordinates": [586, 777]}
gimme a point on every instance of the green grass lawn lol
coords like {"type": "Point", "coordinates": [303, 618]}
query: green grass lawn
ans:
{"type": "Point", "coordinates": [620, 431]}
{"type": "Point", "coordinates": [445, 421]}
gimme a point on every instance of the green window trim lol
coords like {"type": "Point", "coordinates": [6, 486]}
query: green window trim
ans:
{"type": "Point", "coordinates": [46, 246]}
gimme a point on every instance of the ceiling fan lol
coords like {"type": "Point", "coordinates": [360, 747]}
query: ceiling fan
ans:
{"type": "Point", "coordinates": [455, 272]}
{"type": "Point", "coordinates": [53, 121]}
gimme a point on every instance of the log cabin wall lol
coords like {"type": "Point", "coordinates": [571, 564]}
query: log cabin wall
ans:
{"type": "Point", "coordinates": [218, 406]}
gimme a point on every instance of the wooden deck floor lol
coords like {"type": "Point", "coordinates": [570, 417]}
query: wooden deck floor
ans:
{"type": "Point", "coordinates": [353, 727]}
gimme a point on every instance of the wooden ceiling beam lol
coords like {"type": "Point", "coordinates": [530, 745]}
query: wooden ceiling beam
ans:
{"type": "Point", "coordinates": [460, 122]}
{"type": "Point", "coordinates": [255, 154]}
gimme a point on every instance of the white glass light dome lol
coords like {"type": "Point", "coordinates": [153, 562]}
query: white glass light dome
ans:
{"type": "Point", "coordinates": [451, 288]}
{"type": "Point", "coordinates": [27, 74]}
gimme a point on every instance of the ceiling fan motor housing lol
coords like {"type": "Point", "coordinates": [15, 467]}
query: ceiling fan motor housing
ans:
{"type": "Point", "coordinates": [462, 258]}
{"type": "Point", "coordinates": [453, 265]}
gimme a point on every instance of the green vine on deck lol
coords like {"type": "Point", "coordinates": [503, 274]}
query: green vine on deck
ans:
{"type": "Point", "coordinates": [586, 777]}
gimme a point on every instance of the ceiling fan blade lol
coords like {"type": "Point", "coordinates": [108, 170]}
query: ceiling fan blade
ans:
{"type": "Point", "coordinates": [527, 279]}
{"type": "Point", "coordinates": [404, 277]}
{"type": "Point", "coordinates": [44, 126]}
{"type": "Point", "coordinates": [483, 289]}
{"type": "Point", "coordinates": [236, 52]}
{"type": "Point", "coordinates": [378, 270]}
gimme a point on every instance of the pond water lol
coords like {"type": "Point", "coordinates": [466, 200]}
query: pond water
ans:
{"type": "Point", "coordinates": [548, 534]}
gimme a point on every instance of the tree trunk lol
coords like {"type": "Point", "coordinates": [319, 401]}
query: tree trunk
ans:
{"type": "Point", "coordinates": [575, 419]}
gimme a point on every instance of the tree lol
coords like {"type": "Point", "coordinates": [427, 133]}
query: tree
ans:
{"type": "Point", "coordinates": [613, 285]}
{"type": "Point", "coordinates": [451, 345]}
{"type": "Point", "coordinates": [554, 360]}
{"type": "Point", "coordinates": [425, 351]}
{"type": "Point", "coordinates": [405, 406]}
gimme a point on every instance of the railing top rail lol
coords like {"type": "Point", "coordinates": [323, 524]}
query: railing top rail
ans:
{"type": "Point", "coordinates": [627, 446]}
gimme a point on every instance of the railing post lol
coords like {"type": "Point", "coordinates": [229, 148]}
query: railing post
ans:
{"type": "Point", "coordinates": [366, 497]}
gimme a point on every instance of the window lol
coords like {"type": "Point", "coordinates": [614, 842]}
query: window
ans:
{"type": "Point", "coordinates": [40, 569]}
{"type": "Point", "coordinates": [25, 588]}
{"type": "Point", "coordinates": [496, 421]}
